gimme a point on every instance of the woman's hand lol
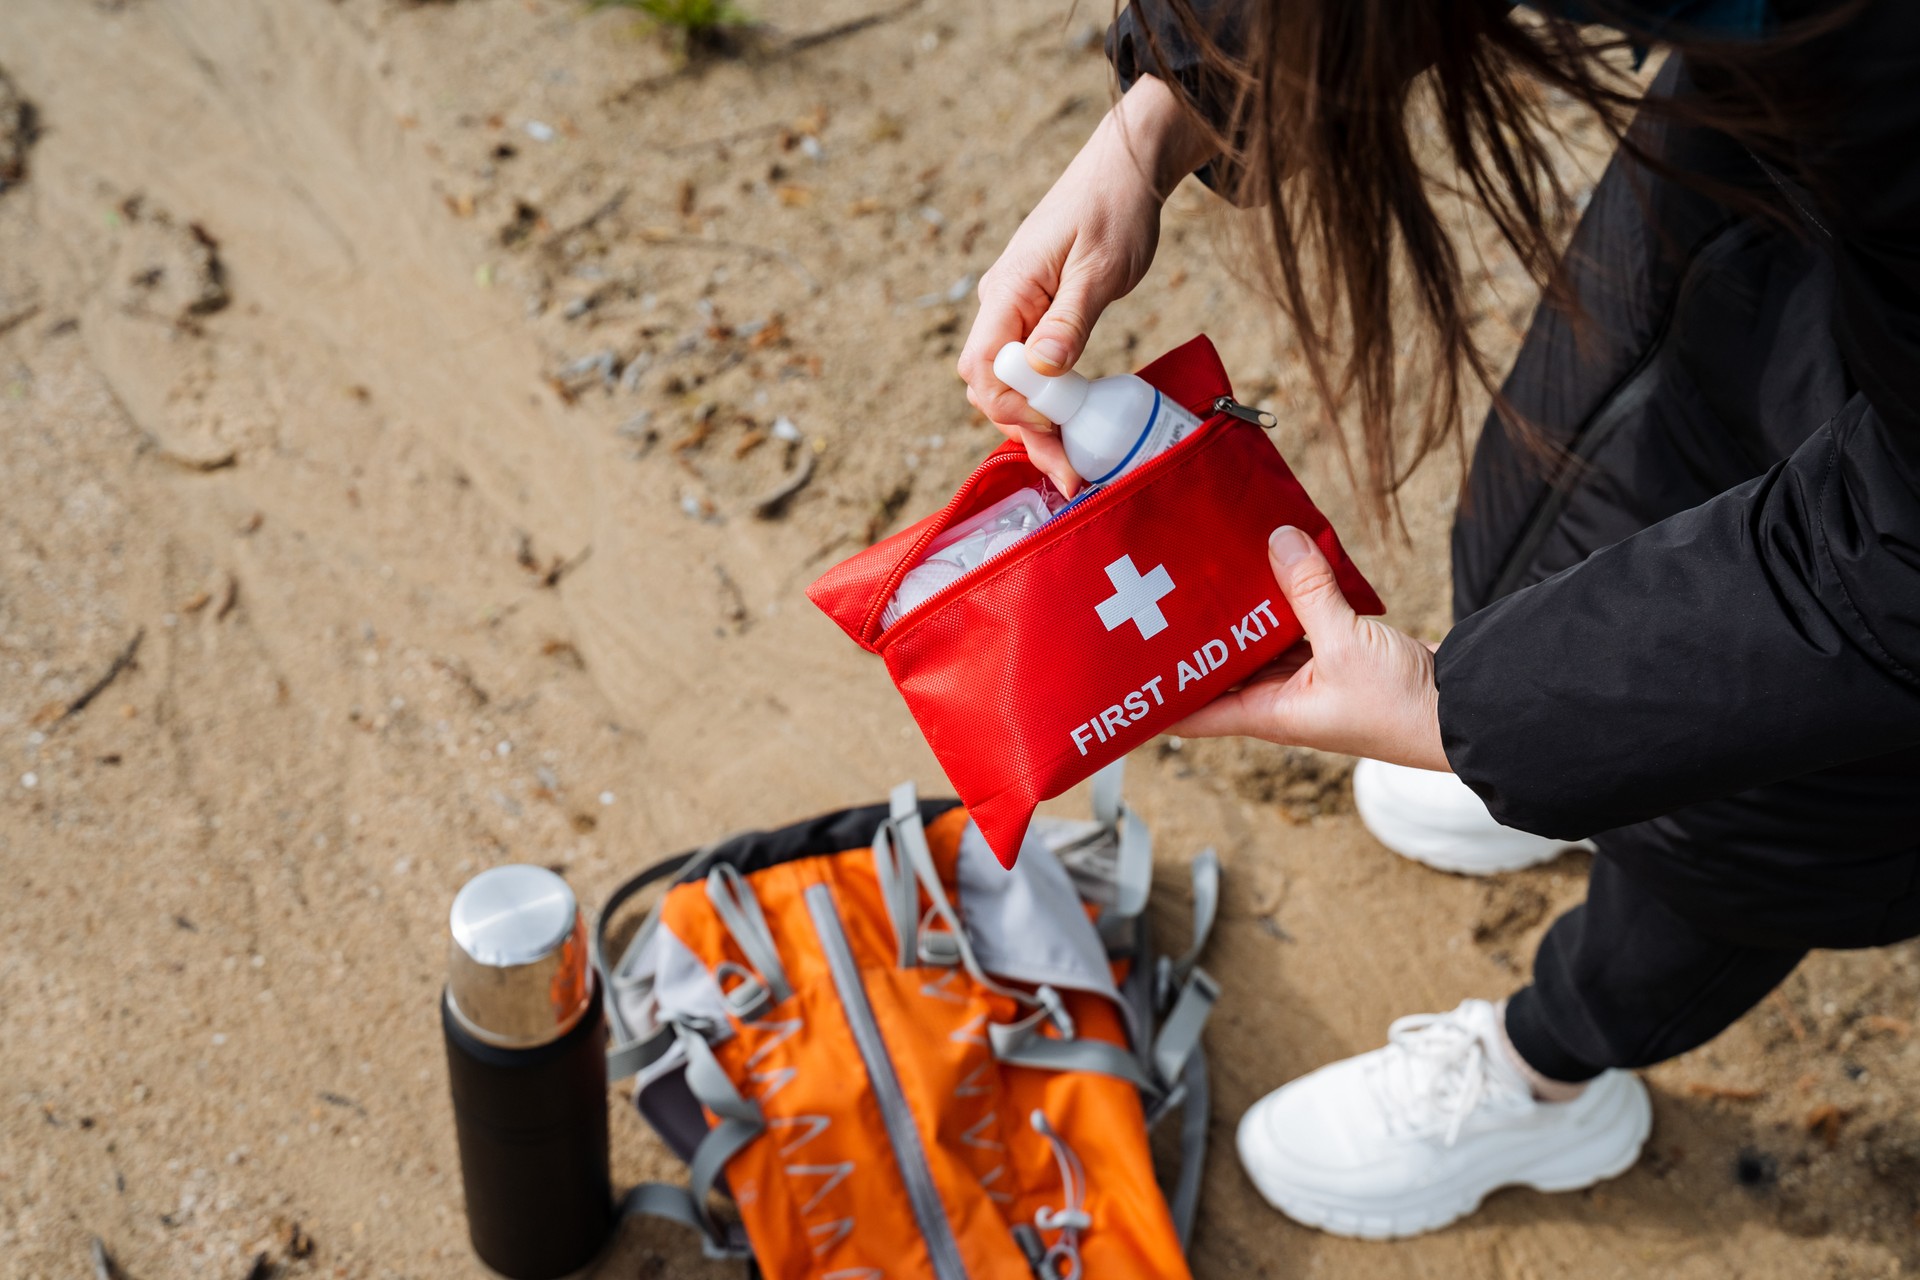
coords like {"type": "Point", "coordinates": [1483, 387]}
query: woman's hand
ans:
{"type": "Point", "coordinates": [1355, 685]}
{"type": "Point", "coordinates": [1088, 242]}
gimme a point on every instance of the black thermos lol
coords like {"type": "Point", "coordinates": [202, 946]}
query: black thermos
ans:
{"type": "Point", "coordinates": [526, 1055]}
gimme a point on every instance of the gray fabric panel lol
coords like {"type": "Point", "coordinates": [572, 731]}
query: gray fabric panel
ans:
{"type": "Point", "coordinates": [1026, 924]}
{"type": "Point", "coordinates": [684, 990]}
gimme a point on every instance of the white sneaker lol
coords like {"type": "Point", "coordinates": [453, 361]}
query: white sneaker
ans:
{"type": "Point", "coordinates": [1414, 1135]}
{"type": "Point", "coordinates": [1435, 818]}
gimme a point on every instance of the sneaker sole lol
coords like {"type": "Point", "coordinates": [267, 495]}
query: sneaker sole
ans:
{"type": "Point", "coordinates": [1612, 1149]}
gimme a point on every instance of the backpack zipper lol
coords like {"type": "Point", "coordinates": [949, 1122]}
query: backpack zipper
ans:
{"type": "Point", "coordinates": [928, 1211]}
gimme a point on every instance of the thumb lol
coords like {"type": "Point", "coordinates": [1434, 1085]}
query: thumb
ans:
{"type": "Point", "coordinates": [1306, 580]}
{"type": "Point", "coordinates": [1061, 335]}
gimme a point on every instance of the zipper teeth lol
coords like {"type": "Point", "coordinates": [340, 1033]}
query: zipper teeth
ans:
{"type": "Point", "coordinates": [1077, 506]}
{"type": "Point", "coordinates": [892, 583]}
{"type": "Point", "coordinates": [908, 1152]}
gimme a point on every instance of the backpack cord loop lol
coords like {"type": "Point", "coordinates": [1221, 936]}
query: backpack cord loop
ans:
{"type": "Point", "coordinates": [1062, 1259]}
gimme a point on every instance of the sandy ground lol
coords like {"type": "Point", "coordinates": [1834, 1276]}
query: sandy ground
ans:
{"type": "Point", "coordinates": [402, 381]}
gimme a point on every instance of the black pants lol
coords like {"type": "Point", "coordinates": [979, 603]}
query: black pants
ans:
{"type": "Point", "coordinates": [1705, 357]}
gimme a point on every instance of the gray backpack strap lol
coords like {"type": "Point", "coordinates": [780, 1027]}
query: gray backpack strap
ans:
{"type": "Point", "coordinates": [1024, 1044]}
{"type": "Point", "coordinates": [630, 1053]}
{"type": "Point", "coordinates": [1195, 1108]}
{"type": "Point", "coordinates": [631, 1057]}
{"type": "Point", "coordinates": [900, 890]}
{"type": "Point", "coordinates": [1107, 785]}
{"type": "Point", "coordinates": [675, 1204]}
{"type": "Point", "coordinates": [737, 906]}
{"type": "Point", "coordinates": [741, 1122]}
{"type": "Point", "coordinates": [1179, 1036]}
{"type": "Point", "coordinates": [1206, 907]}
{"type": "Point", "coordinates": [909, 835]}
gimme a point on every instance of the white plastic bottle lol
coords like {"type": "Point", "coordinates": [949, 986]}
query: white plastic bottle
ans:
{"type": "Point", "coordinates": [1108, 425]}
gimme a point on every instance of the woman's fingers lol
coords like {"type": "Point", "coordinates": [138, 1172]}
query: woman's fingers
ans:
{"type": "Point", "coordinates": [1305, 578]}
{"type": "Point", "coordinates": [1048, 454]}
{"type": "Point", "coordinates": [1086, 287]}
{"type": "Point", "coordinates": [1368, 689]}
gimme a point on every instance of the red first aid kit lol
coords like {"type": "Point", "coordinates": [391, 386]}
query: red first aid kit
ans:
{"type": "Point", "coordinates": [1126, 612]}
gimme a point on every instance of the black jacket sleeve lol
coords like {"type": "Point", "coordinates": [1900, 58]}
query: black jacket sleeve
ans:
{"type": "Point", "coordinates": [1769, 633]}
{"type": "Point", "coordinates": [1149, 39]}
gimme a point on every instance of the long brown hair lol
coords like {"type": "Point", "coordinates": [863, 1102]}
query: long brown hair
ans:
{"type": "Point", "coordinates": [1324, 100]}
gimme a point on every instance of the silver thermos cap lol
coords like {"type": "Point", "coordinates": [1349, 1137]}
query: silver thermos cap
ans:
{"type": "Point", "coordinates": [517, 973]}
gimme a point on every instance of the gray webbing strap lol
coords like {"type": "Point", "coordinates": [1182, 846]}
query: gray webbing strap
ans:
{"type": "Point", "coordinates": [741, 1121]}
{"type": "Point", "coordinates": [900, 890]}
{"type": "Point", "coordinates": [709, 1084]}
{"type": "Point", "coordinates": [1194, 1107]}
{"type": "Point", "coordinates": [1180, 1031]}
{"type": "Point", "coordinates": [910, 835]}
{"type": "Point", "coordinates": [675, 1204]}
{"type": "Point", "coordinates": [1021, 1044]}
{"type": "Point", "coordinates": [1133, 869]}
{"type": "Point", "coordinates": [1133, 854]}
{"type": "Point", "coordinates": [1206, 905]}
{"type": "Point", "coordinates": [618, 978]}
{"type": "Point", "coordinates": [635, 1056]}
{"type": "Point", "coordinates": [1106, 792]}
{"type": "Point", "coordinates": [721, 1144]}
{"type": "Point", "coordinates": [733, 900]}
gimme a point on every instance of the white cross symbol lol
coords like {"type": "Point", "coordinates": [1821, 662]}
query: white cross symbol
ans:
{"type": "Point", "coordinates": [1136, 599]}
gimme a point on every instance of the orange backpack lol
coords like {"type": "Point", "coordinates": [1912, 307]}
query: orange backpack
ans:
{"type": "Point", "coordinates": [908, 1062]}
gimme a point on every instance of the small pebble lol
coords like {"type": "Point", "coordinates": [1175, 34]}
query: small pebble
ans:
{"type": "Point", "coordinates": [783, 429]}
{"type": "Point", "coordinates": [606, 797]}
{"type": "Point", "coordinates": [504, 749]}
{"type": "Point", "coordinates": [539, 131]}
{"type": "Point", "coordinates": [29, 780]}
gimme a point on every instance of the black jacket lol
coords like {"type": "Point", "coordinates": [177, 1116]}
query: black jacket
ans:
{"type": "Point", "coordinates": [1771, 631]}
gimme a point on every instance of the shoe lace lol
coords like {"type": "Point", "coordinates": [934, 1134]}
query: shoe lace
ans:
{"type": "Point", "coordinates": [1434, 1075]}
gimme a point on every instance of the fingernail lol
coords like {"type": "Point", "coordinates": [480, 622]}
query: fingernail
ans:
{"type": "Point", "coordinates": [1288, 545]}
{"type": "Point", "coordinates": [1048, 351]}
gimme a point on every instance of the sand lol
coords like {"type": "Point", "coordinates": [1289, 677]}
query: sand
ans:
{"type": "Point", "coordinates": [404, 380]}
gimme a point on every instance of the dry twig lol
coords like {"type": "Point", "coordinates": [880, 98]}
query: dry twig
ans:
{"type": "Point", "coordinates": [120, 663]}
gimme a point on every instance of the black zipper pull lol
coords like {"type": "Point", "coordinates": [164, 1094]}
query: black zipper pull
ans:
{"type": "Point", "coordinates": [1258, 417]}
